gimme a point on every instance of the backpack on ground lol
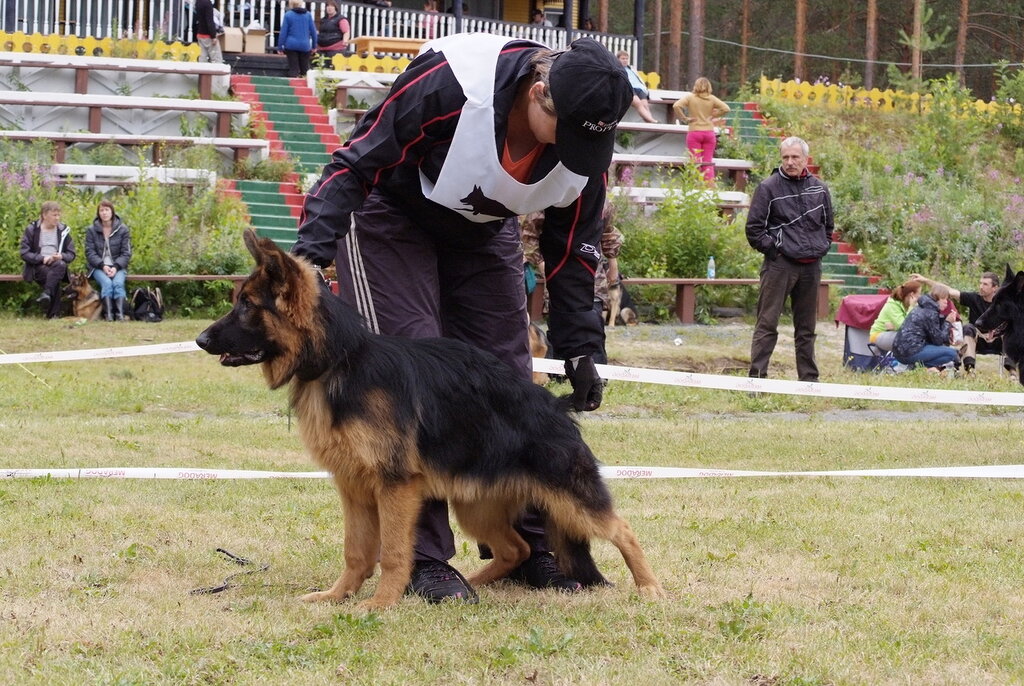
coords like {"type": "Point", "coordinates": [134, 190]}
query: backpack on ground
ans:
{"type": "Point", "coordinates": [147, 305]}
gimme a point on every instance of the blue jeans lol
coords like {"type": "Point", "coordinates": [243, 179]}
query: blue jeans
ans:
{"type": "Point", "coordinates": [933, 356]}
{"type": "Point", "coordinates": [110, 287]}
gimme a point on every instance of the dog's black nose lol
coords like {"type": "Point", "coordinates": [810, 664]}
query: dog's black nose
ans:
{"type": "Point", "coordinates": [203, 340]}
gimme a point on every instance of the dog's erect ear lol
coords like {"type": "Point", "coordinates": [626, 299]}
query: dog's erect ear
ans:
{"type": "Point", "coordinates": [269, 256]}
{"type": "Point", "coordinates": [1009, 274]}
{"type": "Point", "coordinates": [258, 247]}
{"type": "Point", "coordinates": [1018, 282]}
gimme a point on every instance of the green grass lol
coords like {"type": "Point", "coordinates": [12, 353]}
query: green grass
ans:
{"type": "Point", "coordinates": [771, 580]}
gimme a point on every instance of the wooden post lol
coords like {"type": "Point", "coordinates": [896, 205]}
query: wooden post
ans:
{"type": "Point", "coordinates": [686, 302]}
{"type": "Point", "coordinates": [205, 86]}
{"type": "Point", "coordinates": [82, 80]}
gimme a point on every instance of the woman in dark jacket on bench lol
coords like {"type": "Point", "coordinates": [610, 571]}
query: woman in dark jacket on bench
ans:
{"type": "Point", "coordinates": [108, 249]}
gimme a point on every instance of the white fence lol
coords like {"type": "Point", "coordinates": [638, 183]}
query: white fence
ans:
{"type": "Point", "coordinates": [172, 20]}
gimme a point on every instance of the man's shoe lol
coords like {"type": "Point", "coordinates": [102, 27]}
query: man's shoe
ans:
{"type": "Point", "coordinates": [44, 300]}
{"type": "Point", "coordinates": [541, 571]}
{"type": "Point", "coordinates": [436, 581]}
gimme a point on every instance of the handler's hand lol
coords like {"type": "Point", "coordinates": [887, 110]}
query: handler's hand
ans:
{"type": "Point", "coordinates": [587, 386]}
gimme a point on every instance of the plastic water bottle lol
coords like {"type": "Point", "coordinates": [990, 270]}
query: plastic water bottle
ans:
{"type": "Point", "coordinates": [711, 267]}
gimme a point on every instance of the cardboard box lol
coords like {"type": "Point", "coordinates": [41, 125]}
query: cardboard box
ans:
{"type": "Point", "coordinates": [232, 39]}
{"type": "Point", "coordinates": [255, 41]}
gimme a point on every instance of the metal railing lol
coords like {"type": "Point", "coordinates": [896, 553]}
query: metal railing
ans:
{"type": "Point", "coordinates": [172, 20]}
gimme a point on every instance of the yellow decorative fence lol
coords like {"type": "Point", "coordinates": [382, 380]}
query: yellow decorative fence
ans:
{"type": "Point", "coordinates": [837, 97]}
{"type": "Point", "coordinates": [370, 63]}
{"type": "Point", "coordinates": [98, 47]}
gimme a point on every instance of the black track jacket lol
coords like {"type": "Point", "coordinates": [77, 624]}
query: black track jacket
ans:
{"type": "Point", "coordinates": [792, 217]}
{"type": "Point", "coordinates": [410, 131]}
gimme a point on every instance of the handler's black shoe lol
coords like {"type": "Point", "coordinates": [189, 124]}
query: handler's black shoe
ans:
{"type": "Point", "coordinates": [435, 581]}
{"type": "Point", "coordinates": [541, 571]}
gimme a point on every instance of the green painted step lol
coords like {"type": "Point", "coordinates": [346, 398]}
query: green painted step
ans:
{"type": "Point", "coordinates": [277, 209]}
{"type": "Point", "coordinates": [836, 258]}
{"type": "Point", "coordinates": [842, 269]}
{"type": "Point", "coordinates": [274, 109]}
{"type": "Point", "coordinates": [273, 221]}
{"type": "Point", "coordinates": [848, 279]}
{"type": "Point", "coordinates": [278, 234]}
{"type": "Point", "coordinates": [299, 136]}
{"type": "Point", "coordinates": [302, 148]}
{"type": "Point", "coordinates": [262, 197]}
{"type": "Point", "coordinates": [858, 290]}
{"type": "Point", "coordinates": [259, 186]}
{"type": "Point", "coordinates": [281, 120]}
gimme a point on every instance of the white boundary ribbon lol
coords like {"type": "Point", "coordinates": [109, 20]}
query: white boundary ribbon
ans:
{"type": "Point", "coordinates": [636, 374]}
{"type": "Point", "coordinates": [1010, 471]}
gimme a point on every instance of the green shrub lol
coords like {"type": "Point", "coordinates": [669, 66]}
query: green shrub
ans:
{"type": "Point", "coordinates": [175, 229]}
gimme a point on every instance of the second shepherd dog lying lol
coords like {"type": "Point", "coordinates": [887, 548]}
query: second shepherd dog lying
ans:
{"type": "Point", "coordinates": [396, 421]}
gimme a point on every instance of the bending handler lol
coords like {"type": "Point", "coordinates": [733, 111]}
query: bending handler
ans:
{"type": "Point", "coordinates": [419, 210]}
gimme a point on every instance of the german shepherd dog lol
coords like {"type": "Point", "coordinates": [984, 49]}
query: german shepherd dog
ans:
{"type": "Point", "coordinates": [396, 421]}
{"type": "Point", "coordinates": [85, 301]}
{"type": "Point", "coordinates": [1005, 318]}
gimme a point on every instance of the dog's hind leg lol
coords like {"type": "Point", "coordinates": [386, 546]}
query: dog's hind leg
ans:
{"type": "Point", "coordinates": [362, 541]}
{"type": "Point", "coordinates": [398, 508]}
{"type": "Point", "coordinates": [491, 523]}
{"type": "Point", "coordinates": [617, 530]}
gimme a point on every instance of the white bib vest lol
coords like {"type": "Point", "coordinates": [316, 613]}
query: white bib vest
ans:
{"type": "Point", "coordinates": [472, 181]}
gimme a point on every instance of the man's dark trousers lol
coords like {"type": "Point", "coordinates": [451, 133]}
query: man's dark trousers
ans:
{"type": "Point", "coordinates": [49, 277]}
{"type": "Point", "coordinates": [409, 283]}
{"type": "Point", "coordinates": [782, 277]}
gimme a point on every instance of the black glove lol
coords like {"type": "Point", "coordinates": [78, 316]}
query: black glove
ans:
{"type": "Point", "coordinates": [587, 386]}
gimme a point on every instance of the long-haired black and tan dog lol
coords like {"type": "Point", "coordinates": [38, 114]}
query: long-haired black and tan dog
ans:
{"type": "Point", "coordinates": [396, 421]}
{"type": "Point", "coordinates": [1005, 318]}
{"type": "Point", "coordinates": [85, 301]}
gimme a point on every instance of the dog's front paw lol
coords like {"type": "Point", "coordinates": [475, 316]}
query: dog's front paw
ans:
{"type": "Point", "coordinates": [652, 592]}
{"type": "Point", "coordinates": [322, 597]}
{"type": "Point", "coordinates": [373, 604]}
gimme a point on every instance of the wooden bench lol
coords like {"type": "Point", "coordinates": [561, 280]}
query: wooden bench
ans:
{"type": "Point", "coordinates": [736, 169]}
{"type": "Point", "coordinates": [223, 109]}
{"type": "Point", "coordinates": [385, 45]}
{"type": "Point", "coordinates": [240, 147]}
{"type": "Point", "coordinates": [235, 279]}
{"type": "Point", "coordinates": [83, 65]}
{"type": "Point", "coordinates": [686, 296]}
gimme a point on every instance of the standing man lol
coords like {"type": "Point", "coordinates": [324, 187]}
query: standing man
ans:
{"type": "Point", "coordinates": [976, 304]}
{"type": "Point", "coordinates": [790, 222]}
{"type": "Point", "coordinates": [206, 29]}
{"type": "Point", "coordinates": [47, 249]}
{"type": "Point", "coordinates": [419, 209]}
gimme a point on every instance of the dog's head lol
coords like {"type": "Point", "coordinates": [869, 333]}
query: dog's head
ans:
{"type": "Point", "coordinates": [275, 318]}
{"type": "Point", "coordinates": [1007, 308]}
{"type": "Point", "coordinates": [78, 287]}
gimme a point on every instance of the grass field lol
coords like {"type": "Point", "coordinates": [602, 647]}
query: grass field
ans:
{"type": "Point", "coordinates": [772, 581]}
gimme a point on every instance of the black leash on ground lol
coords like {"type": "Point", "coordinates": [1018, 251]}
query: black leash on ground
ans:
{"type": "Point", "coordinates": [227, 580]}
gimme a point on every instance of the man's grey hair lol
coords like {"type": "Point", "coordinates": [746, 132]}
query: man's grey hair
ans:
{"type": "Point", "coordinates": [794, 140]}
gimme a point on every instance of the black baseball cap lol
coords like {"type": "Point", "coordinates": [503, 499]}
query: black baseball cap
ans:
{"type": "Point", "coordinates": [591, 94]}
